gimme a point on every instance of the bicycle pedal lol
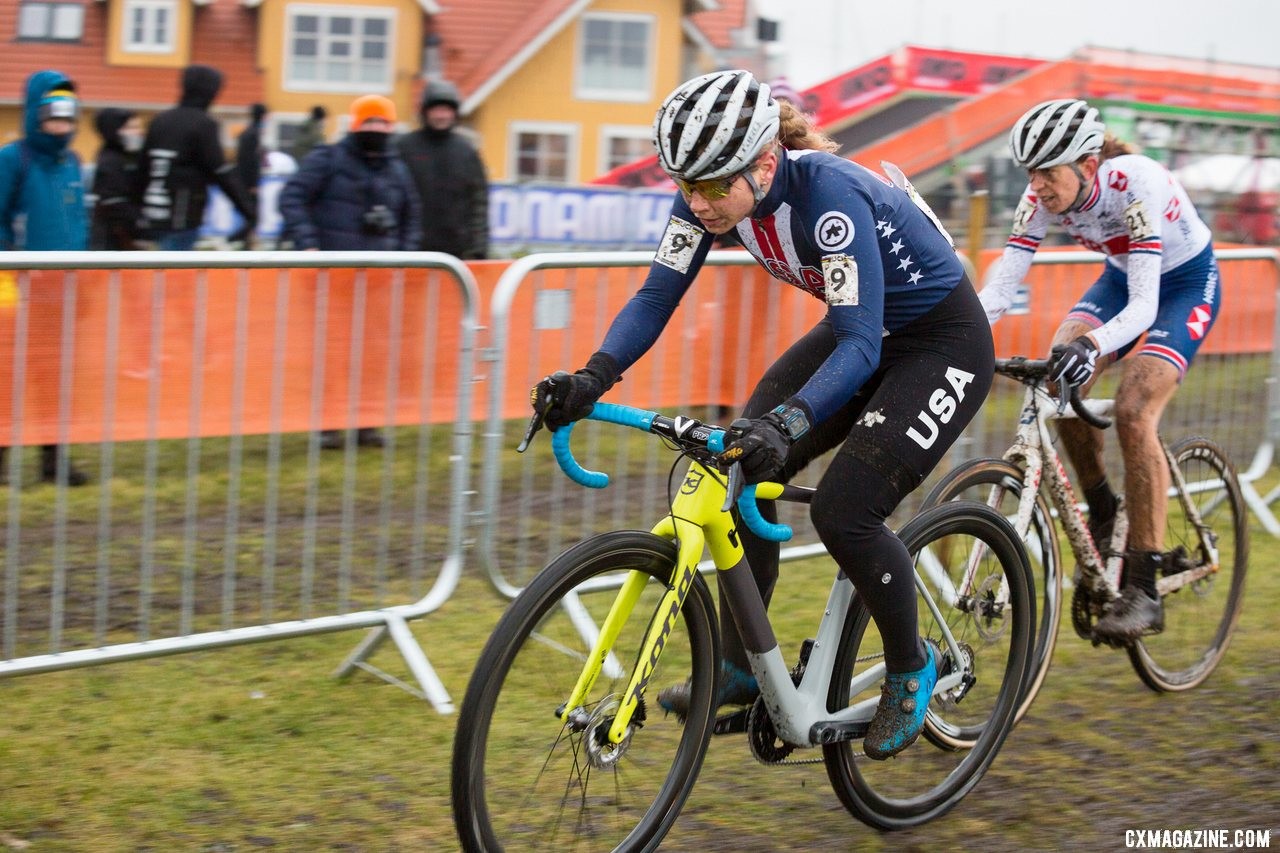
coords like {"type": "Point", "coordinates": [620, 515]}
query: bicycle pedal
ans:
{"type": "Point", "coordinates": [732, 723]}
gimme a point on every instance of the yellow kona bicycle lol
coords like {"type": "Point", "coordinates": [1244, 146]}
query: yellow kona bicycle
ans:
{"type": "Point", "coordinates": [561, 746]}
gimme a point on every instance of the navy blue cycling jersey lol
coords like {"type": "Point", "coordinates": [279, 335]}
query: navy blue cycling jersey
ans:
{"type": "Point", "coordinates": [836, 230]}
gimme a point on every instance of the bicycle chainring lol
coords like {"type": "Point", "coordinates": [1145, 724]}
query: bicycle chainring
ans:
{"type": "Point", "coordinates": [766, 746]}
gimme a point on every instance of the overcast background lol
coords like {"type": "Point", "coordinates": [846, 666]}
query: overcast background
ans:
{"type": "Point", "coordinates": [823, 38]}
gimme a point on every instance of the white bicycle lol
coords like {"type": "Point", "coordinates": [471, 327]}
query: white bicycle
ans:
{"type": "Point", "coordinates": [1206, 533]}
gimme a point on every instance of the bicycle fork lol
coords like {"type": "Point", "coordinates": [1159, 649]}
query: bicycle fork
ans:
{"type": "Point", "coordinates": [700, 498]}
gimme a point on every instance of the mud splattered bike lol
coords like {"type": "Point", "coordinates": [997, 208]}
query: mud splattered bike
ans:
{"type": "Point", "coordinates": [1206, 533]}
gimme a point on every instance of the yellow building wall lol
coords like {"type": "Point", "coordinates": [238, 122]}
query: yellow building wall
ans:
{"type": "Point", "coordinates": [181, 55]}
{"type": "Point", "coordinates": [542, 91]}
{"type": "Point", "coordinates": [407, 58]}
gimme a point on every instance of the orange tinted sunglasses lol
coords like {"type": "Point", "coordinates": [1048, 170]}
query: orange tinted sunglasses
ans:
{"type": "Point", "coordinates": [712, 188]}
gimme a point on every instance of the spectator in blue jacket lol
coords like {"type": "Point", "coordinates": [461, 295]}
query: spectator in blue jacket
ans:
{"type": "Point", "coordinates": [42, 195]}
{"type": "Point", "coordinates": [354, 195]}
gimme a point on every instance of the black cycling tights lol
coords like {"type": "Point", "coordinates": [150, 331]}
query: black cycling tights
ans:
{"type": "Point", "coordinates": [890, 436]}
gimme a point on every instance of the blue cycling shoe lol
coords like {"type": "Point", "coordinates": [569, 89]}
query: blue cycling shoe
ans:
{"type": "Point", "coordinates": [737, 687]}
{"type": "Point", "coordinates": [904, 699]}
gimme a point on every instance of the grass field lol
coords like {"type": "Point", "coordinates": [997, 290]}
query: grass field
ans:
{"type": "Point", "coordinates": [260, 748]}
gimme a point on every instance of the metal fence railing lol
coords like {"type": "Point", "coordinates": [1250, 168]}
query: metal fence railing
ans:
{"type": "Point", "coordinates": [201, 393]}
{"type": "Point", "coordinates": [731, 324]}
{"type": "Point", "coordinates": [196, 390]}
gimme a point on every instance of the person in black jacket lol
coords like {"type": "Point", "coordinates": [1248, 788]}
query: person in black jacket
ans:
{"type": "Point", "coordinates": [250, 153]}
{"type": "Point", "coordinates": [114, 226]}
{"type": "Point", "coordinates": [450, 178]}
{"type": "Point", "coordinates": [355, 195]}
{"type": "Point", "coordinates": [182, 155]}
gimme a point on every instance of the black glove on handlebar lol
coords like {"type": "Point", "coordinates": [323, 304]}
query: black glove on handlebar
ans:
{"type": "Point", "coordinates": [563, 398]}
{"type": "Point", "coordinates": [762, 444]}
{"type": "Point", "coordinates": [1073, 363]}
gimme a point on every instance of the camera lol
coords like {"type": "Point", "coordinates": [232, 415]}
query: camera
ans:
{"type": "Point", "coordinates": [378, 221]}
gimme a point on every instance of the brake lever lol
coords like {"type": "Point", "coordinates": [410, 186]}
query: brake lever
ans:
{"type": "Point", "coordinates": [535, 423]}
{"type": "Point", "coordinates": [1064, 395]}
{"type": "Point", "coordinates": [733, 489]}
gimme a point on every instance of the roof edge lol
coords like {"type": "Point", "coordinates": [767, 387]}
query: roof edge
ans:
{"type": "Point", "coordinates": [523, 55]}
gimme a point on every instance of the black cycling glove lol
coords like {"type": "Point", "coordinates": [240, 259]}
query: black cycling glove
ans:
{"type": "Point", "coordinates": [1074, 363]}
{"type": "Point", "coordinates": [563, 398]}
{"type": "Point", "coordinates": [762, 444]}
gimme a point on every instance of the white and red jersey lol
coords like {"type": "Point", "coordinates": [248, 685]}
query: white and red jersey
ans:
{"type": "Point", "coordinates": [1137, 214]}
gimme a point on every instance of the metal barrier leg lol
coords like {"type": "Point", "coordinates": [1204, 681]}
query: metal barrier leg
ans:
{"type": "Point", "coordinates": [432, 688]}
{"type": "Point", "coordinates": [1259, 504]}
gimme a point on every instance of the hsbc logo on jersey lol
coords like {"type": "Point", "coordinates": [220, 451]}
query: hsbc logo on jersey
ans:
{"type": "Point", "coordinates": [1118, 181]}
{"type": "Point", "coordinates": [1173, 210]}
{"type": "Point", "coordinates": [1198, 321]}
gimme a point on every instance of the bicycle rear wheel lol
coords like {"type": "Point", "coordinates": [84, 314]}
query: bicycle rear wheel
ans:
{"type": "Point", "coordinates": [925, 783]}
{"type": "Point", "coordinates": [1198, 618]}
{"type": "Point", "coordinates": [524, 779]}
{"type": "Point", "coordinates": [998, 483]}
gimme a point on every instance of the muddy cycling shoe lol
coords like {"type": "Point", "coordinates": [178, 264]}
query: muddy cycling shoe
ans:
{"type": "Point", "coordinates": [904, 699]}
{"type": "Point", "coordinates": [737, 687]}
{"type": "Point", "coordinates": [1134, 614]}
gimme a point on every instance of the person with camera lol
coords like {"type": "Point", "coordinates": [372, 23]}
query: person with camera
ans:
{"type": "Point", "coordinates": [354, 195]}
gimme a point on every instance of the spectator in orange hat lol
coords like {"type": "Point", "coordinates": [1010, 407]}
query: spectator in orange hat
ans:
{"type": "Point", "coordinates": [354, 195]}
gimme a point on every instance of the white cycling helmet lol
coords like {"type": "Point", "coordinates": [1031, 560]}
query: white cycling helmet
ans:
{"type": "Point", "coordinates": [714, 126]}
{"type": "Point", "coordinates": [1056, 132]}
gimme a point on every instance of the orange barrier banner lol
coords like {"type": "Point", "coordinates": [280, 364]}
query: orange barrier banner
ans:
{"type": "Point", "coordinates": [182, 352]}
{"type": "Point", "coordinates": [1245, 321]}
{"type": "Point", "coordinates": [222, 352]}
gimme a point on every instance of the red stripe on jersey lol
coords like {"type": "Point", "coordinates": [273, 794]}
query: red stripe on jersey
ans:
{"type": "Point", "coordinates": [1170, 355]}
{"type": "Point", "coordinates": [766, 232]}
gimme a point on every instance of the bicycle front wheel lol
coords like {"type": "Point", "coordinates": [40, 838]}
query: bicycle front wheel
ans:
{"type": "Point", "coordinates": [525, 779]}
{"type": "Point", "coordinates": [996, 642]}
{"type": "Point", "coordinates": [998, 483]}
{"type": "Point", "coordinates": [1199, 617]}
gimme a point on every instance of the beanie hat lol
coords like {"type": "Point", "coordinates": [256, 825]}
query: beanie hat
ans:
{"type": "Point", "coordinates": [366, 107]}
{"type": "Point", "coordinates": [441, 92]}
{"type": "Point", "coordinates": [59, 103]}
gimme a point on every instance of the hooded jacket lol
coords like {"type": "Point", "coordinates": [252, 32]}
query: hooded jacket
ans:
{"type": "Point", "coordinates": [325, 202]}
{"type": "Point", "coordinates": [452, 185]}
{"type": "Point", "coordinates": [40, 179]}
{"type": "Point", "coordinates": [182, 155]}
{"type": "Point", "coordinates": [114, 223]}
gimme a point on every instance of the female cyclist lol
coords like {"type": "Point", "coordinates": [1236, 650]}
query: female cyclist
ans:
{"type": "Point", "coordinates": [1160, 278]}
{"type": "Point", "coordinates": [892, 374]}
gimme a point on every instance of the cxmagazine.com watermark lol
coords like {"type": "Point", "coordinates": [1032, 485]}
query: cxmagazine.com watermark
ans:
{"type": "Point", "coordinates": [1198, 839]}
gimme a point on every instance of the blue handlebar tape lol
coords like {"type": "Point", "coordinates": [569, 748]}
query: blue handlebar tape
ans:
{"type": "Point", "coordinates": [643, 420]}
{"type": "Point", "coordinates": [570, 466]}
{"type": "Point", "coordinates": [756, 522]}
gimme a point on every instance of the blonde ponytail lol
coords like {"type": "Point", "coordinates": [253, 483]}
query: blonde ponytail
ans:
{"type": "Point", "coordinates": [796, 131]}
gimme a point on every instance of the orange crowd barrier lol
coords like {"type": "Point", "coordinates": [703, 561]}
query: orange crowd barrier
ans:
{"type": "Point", "coordinates": [261, 376]}
{"type": "Point", "coordinates": [193, 378]}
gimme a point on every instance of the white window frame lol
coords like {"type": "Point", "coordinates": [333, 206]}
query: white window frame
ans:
{"type": "Point", "coordinates": [293, 11]}
{"type": "Point", "coordinates": [610, 132]}
{"type": "Point", "coordinates": [547, 128]}
{"type": "Point", "coordinates": [54, 9]}
{"type": "Point", "coordinates": [150, 10]}
{"type": "Point", "coordinates": [582, 86]}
